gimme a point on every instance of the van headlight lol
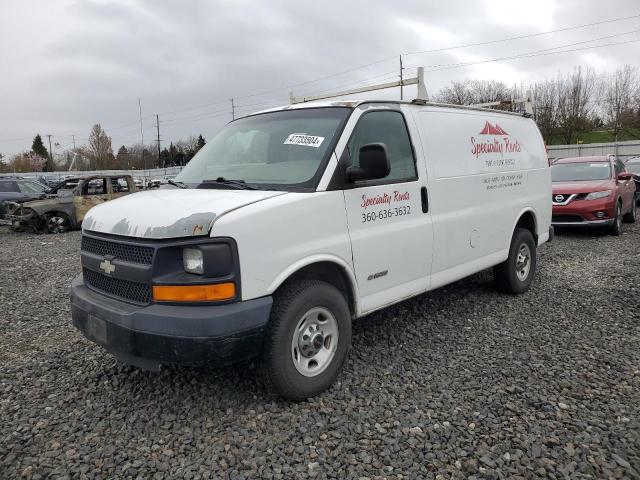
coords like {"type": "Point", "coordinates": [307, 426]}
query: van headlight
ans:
{"type": "Point", "coordinates": [597, 195]}
{"type": "Point", "coordinates": [193, 261]}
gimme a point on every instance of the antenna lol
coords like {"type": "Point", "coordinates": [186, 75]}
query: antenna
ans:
{"type": "Point", "coordinates": [417, 80]}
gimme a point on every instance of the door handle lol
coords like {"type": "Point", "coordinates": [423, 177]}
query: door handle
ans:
{"type": "Point", "coordinates": [424, 199]}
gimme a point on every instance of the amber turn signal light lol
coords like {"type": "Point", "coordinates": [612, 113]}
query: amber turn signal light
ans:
{"type": "Point", "coordinates": [194, 293]}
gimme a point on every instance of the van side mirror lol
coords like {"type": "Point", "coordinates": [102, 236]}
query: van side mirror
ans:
{"type": "Point", "coordinates": [624, 176]}
{"type": "Point", "coordinates": [374, 163]}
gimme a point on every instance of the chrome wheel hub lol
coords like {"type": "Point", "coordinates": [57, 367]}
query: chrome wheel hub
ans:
{"type": "Point", "coordinates": [523, 262]}
{"type": "Point", "coordinates": [314, 342]}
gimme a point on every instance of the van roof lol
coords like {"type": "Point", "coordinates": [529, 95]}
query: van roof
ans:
{"type": "Point", "coordinates": [356, 103]}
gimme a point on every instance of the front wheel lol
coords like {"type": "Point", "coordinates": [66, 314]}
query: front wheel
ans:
{"type": "Point", "coordinates": [57, 223]}
{"type": "Point", "coordinates": [630, 216]}
{"type": "Point", "coordinates": [307, 341]}
{"type": "Point", "coordinates": [516, 273]}
{"type": "Point", "coordinates": [616, 227]}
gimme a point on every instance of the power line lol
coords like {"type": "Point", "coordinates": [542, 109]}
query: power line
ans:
{"type": "Point", "coordinates": [360, 67]}
{"type": "Point", "coordinates": [535, 53]}
{"type": "Point", "coordinates": [519, 37]}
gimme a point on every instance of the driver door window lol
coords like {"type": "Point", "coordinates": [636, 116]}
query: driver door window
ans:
{"type": "Point", "coordinates": [389, 128]}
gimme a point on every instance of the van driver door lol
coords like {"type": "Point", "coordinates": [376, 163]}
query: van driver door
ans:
{"type": "Point", "coordinates": [389, 220]}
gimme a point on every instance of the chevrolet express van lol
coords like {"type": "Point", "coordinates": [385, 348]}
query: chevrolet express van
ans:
{"type": "Point", "coordinates": [291, 223]}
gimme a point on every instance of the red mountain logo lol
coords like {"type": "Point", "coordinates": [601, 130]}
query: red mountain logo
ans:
{"type": "Point", "coordinates": [492, 130]}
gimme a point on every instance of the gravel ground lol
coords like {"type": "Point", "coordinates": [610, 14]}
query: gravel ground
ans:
{"type": "Point", "coordinates": [459, 383]}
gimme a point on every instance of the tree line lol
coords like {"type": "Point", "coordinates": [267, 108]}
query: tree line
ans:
{"type": "Point", "coordinates": [98, 154]}
{"type": "Point", "coordinates": [567, 107]}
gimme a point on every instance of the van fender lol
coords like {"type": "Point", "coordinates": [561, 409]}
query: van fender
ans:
{"type": "Point", "coordinates": [322, 257]}
{"type": "Point", "coordinates": [542, 236]}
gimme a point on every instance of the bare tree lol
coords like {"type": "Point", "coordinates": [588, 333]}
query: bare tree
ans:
{"type": "Point", "coordinates": [457, 94]}
{"type": "Point", "coordinates": [486, 91]}
{"type": "Point", "coordinates": [99, 151]}
{"type": "Point", "coordinates": [470, 92]}
{"type": "Point", "coordinates": [545, 108]}
{"type": "Point", "coordinates": [620, 96]}
{"type": "Point", "coordinates": [576, 95]}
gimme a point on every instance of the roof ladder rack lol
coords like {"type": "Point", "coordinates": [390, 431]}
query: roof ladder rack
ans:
{"type": "Point", "coordinates": [417, 80]}
{"type": "Point", "coordinates": [527, 101]}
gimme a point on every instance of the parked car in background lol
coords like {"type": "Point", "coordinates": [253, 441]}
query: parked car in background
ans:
{"type": "Point", "coordinates": [19, 190]}
{"type": "Point", "coordinates": [592, 192]}
{"type": "Point", "coordinates": [633, 166]}
{"type": "Point", "coordinates": [72, 200]}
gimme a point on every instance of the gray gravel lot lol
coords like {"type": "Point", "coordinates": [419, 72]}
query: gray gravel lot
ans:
{"type": "Point", "coordinates": [459, 383]}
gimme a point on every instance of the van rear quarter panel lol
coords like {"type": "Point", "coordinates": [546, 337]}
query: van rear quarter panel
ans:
{"type": "Point", "coordinates": [484, 170]}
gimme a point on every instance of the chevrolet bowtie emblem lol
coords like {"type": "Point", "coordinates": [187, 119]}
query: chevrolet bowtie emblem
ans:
{"type": "Point", "coordinates": [107, 267]}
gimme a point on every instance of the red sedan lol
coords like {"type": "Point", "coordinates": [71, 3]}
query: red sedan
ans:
{"type": "Point", "coordinates": [592, 191]}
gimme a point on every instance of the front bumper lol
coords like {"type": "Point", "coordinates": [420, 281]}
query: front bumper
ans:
{"type": "Point", "coordinates": [585, 223]}
{"type": "Point", "coordinates": [584, 213]}
{"type": "Point", "coordinates": [151, 335]}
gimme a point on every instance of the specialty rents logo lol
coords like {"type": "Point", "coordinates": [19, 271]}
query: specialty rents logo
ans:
{"type": "Point", "coordinates": [500, 143]}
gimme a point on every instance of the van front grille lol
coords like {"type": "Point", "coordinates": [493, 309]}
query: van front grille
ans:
{"type": "Point", "coordinates": [121, 251]}
{"type": "Point", "coordinates": [125, 289]}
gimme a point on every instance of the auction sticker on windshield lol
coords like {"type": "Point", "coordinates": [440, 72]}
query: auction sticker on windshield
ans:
{"type": "Point", "coordinates": [304, 140]}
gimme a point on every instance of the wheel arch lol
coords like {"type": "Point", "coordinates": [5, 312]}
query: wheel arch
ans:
{"type": "Point", "coordinates": [528, 219]}
{"type": "Point", "coordinates": [327, 268]}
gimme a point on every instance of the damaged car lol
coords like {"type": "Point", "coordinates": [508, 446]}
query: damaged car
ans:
{"type": "Point", "coordinates": [65, 209]}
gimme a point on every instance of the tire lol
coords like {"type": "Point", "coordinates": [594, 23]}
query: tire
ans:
{"type": "Point", "coordinates": [616, 227]}
{"type": "Point", "coordinates": [57, 223]}
{"type": "Point", "coordinates": [288, 357]}
{"type": "Point", "coordinates": [515, 274]}
{"type": "Point", "coordinates": [630, 216]}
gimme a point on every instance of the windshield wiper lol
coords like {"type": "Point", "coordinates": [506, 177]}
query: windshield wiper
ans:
{"type": "Point", "coordinates": [177, 184]}
{"type": "Point", "coordinates": [225, 183]}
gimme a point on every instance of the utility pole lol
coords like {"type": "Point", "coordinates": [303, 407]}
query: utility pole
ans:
{"type": "Point", "coordinates": [50, 151]}
{"type": "Point", "coordinates": [158, 128]}
{"type": "Point", "coordinates": [401, 89]}
{"type": "Point", "coordinates": [74, 142]}
{"type": "Point", "coordinates": [144, 161]}
{"type": "Point", "coordinates": [233, 110]}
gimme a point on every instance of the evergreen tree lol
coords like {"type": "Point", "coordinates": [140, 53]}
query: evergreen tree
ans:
{"type": "Point", "coordinates": [38, 147]}
{"type": "Point", "coordinates": [40, 150]}
{"type": "Point", "coordinates": [123, 157]}
{"type": "Point", "coordinates": [201, 143]}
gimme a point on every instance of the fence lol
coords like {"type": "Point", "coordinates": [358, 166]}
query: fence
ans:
{"type": "Point", "coordinates": [622, 150]}
{"type": "Point", "coordinates": [149, 173]}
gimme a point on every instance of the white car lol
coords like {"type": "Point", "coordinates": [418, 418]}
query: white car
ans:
{"type": "Point", "coordinates": [294, 221]}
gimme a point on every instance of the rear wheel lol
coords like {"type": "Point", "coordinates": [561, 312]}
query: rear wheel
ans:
{"type": "Point", "coordinates": [616, 227]}
{"type": "Point", "coordinates": [57, 223]}
{"type": "Point", "coordinates": [630, 216]}
{"type": "Point", "coordinates": [516, 273]}
{"type": "Point", "coordinates": [307, 341]}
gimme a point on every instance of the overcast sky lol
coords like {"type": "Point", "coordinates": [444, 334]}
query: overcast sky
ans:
{"type": "Point", "coordinates": [68, 64]}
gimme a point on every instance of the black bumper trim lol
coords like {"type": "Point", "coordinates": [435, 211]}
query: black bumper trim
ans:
{"type": "Point", "coordinates": [169, 333]}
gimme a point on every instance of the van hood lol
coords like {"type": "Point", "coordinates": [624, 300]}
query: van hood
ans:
{"type": "Point", "coordinates": [168, 213]}
{"type": "Point", "coordinates": [582, 187]}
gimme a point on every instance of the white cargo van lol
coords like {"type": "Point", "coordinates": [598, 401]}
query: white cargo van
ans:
{"type": "Point", "coordinates": [292, 222]}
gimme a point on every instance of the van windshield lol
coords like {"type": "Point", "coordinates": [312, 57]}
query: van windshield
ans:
{"type": "Point", "coordinates": [580, 172]}
{"type": "Point", "coordinates": [279, 149]}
